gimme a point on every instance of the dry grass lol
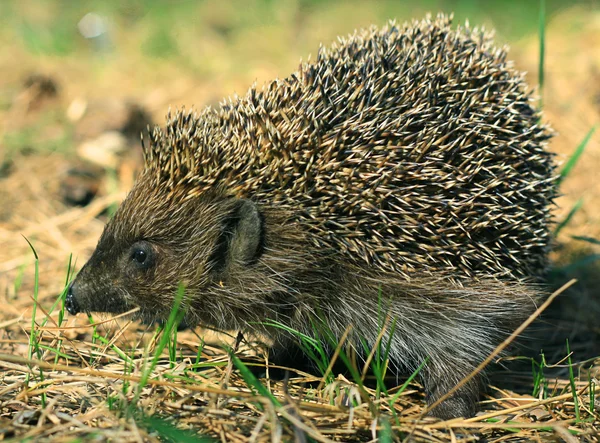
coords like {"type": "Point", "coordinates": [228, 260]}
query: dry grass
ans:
{"type": "Point", "coordinates": [76, 382]}
{"type": "Point", "coordinates": [85, 387]}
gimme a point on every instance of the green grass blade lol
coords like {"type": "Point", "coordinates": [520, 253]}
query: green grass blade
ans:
{"type": "Point", "coordinates": [539, 378]}
{"type": "Point", "coordinates": [408, 381]}
{"type": "Point", "coordinates": [61, 298]}
{"type": "Point", "coordinates": [126, 358]}
{"type": "Point", "coordinates": [592, 391]}
{"type": "Point", "coordinates": [199, 352]}
{"type": "Point", "coordinates": [386, 434]}
{"type": "Point", "coordinates": [388, 347]}
{"type": "Point", "coordinates": [541, 61]}
{"type": "Point", "coordinates": [69, 270]}
{"type": "Point", "coordinates": [33, 333]}
{"type": "Point", "coordinates": [566, 170]}
{"type": "Point", "coordinates": [251, 380]}
{"type": "Point", "coordinates": [572, 383]}
{"type": "Point", "coordinates": [34, 344]}
{"type": "Point", "coordinates": [172, 322]}
{"type": "Point", "coordinates": [402, 388]}
{"type": "Point", "coordinates": [591, 240]}
{"type": "Point", "coordinates": [19, 277]}
{"type": "Point", "coordinates": [170, 432]}
{"type": "Point", "coordinates": [576, 207]}
{"type": "Point", "coordinates": [310, 346]}
{"type": "Point", "coordinates": [56, 351]}
{"type": "Point", "coordinates": [581, 263]}
{"type": "Point", "coordinates": [296, 333]}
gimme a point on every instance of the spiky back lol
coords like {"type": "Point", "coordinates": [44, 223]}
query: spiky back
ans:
{"type": "Point", "coordinates": [410, 148]}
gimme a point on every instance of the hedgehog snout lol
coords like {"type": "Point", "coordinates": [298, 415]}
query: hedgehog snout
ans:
{"type": "Point", "coordinates": [71, 302]}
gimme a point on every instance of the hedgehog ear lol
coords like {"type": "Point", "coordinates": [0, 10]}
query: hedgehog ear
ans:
{"type": "Point", "coordinates": [242, 236]}
{"type": "Point", "coordinates": [248, 235]}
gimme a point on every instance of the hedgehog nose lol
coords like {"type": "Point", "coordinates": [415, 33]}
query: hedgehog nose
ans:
{"type": "Point", "coordinates": [70, 301]}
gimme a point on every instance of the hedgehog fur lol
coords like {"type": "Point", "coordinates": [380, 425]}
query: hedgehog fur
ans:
{"type": "Point", "coordinates": [405, 164]}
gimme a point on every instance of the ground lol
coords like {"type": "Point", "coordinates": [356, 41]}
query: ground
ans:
{"type": "Point", "coordinates": [66, 100]}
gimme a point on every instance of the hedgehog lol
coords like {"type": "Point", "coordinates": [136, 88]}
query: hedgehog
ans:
{"type": "Point", "coordinates": [405, 170]}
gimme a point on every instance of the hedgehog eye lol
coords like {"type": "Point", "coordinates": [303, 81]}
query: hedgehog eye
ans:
{"type": "Point", "coordinates": [142, 255]}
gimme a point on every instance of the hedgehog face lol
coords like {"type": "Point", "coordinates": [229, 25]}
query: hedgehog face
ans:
{"type": "Point", "coordinates": [155, 243]}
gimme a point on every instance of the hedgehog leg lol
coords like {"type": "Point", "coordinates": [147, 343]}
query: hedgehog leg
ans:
{"type": "Point", "coordinates": [289, 356]}
{"type": "Point", "coordinates": [440, 379]}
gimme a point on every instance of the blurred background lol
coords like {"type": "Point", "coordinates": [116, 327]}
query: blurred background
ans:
{"type": "Point", "coordinates": [81, 80]}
